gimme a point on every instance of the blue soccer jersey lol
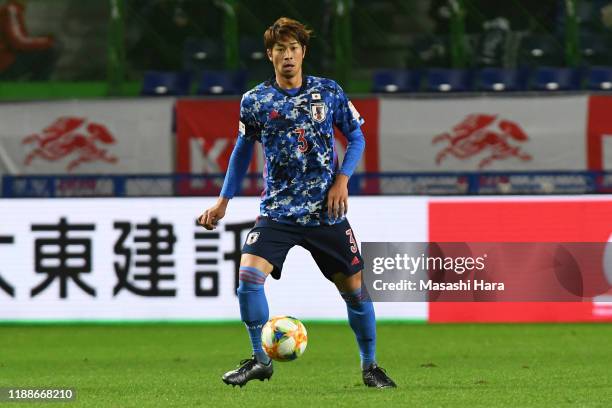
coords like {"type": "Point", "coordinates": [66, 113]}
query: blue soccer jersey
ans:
{"type": "Point", "coordinates": [297, 135]}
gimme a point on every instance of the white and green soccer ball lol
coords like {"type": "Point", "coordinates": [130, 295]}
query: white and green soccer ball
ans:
{"type": "Point", "coordinates": [284, 338]}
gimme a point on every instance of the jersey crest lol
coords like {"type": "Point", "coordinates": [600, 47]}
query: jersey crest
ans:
{"type": "Point", "coordinates": [318, 111]}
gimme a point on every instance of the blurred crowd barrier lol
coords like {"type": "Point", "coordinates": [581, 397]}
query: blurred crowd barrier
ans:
{"type": "Point", "coordinates": [118, 42]}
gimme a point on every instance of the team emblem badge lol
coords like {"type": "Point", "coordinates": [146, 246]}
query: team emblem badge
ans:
{"type": "Point", "coordinates": [318, 111]}
{"type": "Point", "coordinates": [252, 238]}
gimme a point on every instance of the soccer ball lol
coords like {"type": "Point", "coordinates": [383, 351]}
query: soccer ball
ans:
{"type": "Point", "coordinates": [284, 338]}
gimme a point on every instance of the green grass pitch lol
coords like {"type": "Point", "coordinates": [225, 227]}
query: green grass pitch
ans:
{"type": "Point", "coordinates": [180, 365]}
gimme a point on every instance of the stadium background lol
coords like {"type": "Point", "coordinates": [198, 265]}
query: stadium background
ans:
{"type": "Point", "coordinates": [485, 121]}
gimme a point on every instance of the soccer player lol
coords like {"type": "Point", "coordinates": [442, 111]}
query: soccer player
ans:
{"type": "Point", "coordinates": [306, 194]}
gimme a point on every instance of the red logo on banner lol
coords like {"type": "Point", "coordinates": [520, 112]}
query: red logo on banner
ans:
{"type": "Point", "coordinates": [485, 136]}
{"type": "Point", "coordinates": [70, 136]}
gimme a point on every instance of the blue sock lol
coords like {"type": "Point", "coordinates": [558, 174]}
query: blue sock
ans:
{"type": "Point", "coordinates": [253, 307]}
{"type": "Point", "coordinates": [363, 322]}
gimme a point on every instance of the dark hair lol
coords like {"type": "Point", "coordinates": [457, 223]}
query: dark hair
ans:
{"type": "Point", "coordinates": [286, 27]}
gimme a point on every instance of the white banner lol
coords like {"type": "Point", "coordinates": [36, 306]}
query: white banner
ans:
{"type": "Point", "coordinates": [145, 259]}
{"type": "Point", "coordinates": [480, 134]}
{"type": "Point", "coordinates": [87, 137]}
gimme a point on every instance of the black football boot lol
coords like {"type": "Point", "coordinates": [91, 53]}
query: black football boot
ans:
{"type": "Point", "coordinates": [249, 369]}
{"type": "Point", "coordinates": [375, 376]}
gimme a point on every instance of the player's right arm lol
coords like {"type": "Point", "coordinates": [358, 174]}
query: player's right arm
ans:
{"type": "Point", "coordinates": [237, 168]}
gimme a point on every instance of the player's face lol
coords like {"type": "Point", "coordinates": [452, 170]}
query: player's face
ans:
{"type": "Point", "coordinates": [287, 57]}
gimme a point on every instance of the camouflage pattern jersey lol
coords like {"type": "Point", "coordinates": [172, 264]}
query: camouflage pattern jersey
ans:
{"type": "Point", "coordinates": [297, 136]}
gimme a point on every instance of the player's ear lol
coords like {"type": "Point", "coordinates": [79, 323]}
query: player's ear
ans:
{"type": "Point", "coordinates": [269, 53]}
{"type": "Point", "coordinates": [303, 51]}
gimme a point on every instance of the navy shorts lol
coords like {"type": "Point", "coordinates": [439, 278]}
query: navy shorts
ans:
{"type": "Point", "coordinates": [333, 247]}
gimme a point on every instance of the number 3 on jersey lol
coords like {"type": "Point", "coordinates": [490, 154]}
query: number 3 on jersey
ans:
{"type": "Point", "coordinates": [302, 142]}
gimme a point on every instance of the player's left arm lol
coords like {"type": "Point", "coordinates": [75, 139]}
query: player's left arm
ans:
{"type": "Point", "coordinates": [348, 120]}
{"type": "Point", "coordinates": [337, 198]}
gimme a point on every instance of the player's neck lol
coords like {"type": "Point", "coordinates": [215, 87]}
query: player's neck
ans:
{"type": "Point", "coordinates": [289, 83]}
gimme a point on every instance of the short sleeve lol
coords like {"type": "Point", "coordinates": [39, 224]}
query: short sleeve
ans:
{"type": "Point", "coordinates": [247, 127]}
{"type": "Point", "coordinates": [346, 117]}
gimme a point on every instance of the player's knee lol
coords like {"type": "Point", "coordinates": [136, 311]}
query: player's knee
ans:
{"type": "Point", "coordinates": [347, 284]}
{"type": "Point", "coordinates": [254, 261]}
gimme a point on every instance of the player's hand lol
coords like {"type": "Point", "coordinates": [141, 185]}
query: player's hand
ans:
{"type": "Point", "coordinates": [210, 218]}
{"type": "Point", "coordinates": [337, 198]}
